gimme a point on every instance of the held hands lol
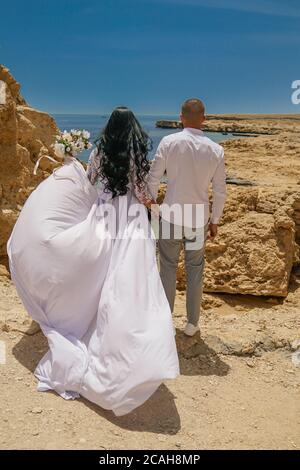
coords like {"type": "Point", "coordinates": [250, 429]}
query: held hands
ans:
{"type": "Point", "coordinates": [212, 231]}
{"type": "Point", "coordinates": [153, 207]}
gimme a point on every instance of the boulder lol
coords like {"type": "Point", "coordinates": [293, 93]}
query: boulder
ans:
{"type": "Point", "coordinates": [256, 248]}
{"type": "Point", "coordinates": [25, 135]}
{"type": "Point", "coordinates": [252, 255]}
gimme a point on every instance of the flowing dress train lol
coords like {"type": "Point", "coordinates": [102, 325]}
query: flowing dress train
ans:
{"type": "Point", "coordinates": [98, 298]}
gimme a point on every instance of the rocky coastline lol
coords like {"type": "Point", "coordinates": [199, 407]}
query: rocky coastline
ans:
{"type": "Point", "coordinates": [247, 124]}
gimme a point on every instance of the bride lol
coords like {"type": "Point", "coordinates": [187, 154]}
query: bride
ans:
{"type": "Point", "coordinates": [82, 257]}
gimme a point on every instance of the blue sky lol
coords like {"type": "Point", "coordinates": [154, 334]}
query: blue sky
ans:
{"type": "Point", "coordinates": [87, 56]}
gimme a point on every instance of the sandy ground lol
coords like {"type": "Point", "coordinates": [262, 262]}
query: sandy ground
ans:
{"type": "Point", "coordinates": [236, 399]}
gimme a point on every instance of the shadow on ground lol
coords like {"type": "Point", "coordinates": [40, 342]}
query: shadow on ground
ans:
{"type": "Point", "coordinates": [159, 414]}
{"type": "Point", "coordinates": [197, 358]}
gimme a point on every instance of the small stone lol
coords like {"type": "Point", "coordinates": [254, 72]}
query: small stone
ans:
{"type": "Point", "coordinates": [272, 301]}
{"type": "Point", "coordinates": [239, 308]}
{"type": "Point", "coordinates": [250, 363]}
{"type": "Point", "coordinates": [231, 317]}
{"type": "Point", "coordinates": [35, 433]}
{"type": "Point", "coordinates": [295, 345]}
{"type": "Point", "coordinates": [33, 328]}
{"type": "Point", "coordinates": [82, 440]}
{"type": "Point", "coordinates": [36, 410]}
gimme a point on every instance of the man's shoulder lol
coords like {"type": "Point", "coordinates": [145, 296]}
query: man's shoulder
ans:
{"type": "Point", "coordinates": [172, 137]}
{"type": "Point", "coordinates": [215, 147]}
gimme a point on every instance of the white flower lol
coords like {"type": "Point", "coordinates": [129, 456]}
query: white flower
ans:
{"type": "Point", "coordinates": [72, 142]}
{"type": "Point", "coordinates": [59, 150]}
{"type": "Point", "coordinates": [68, 137]}
{"type": "Point", "coordinates": [86, 134]}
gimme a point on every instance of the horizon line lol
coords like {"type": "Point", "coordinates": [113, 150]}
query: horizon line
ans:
{"type": "Point", "coordinates": [173, 114]}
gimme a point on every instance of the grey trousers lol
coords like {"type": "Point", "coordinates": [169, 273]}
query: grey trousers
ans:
{"type": "Point", "coordinates": [169, 250]}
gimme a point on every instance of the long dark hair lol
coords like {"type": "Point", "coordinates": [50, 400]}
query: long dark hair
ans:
{"type": "Point", "coordinates": [121, 142]}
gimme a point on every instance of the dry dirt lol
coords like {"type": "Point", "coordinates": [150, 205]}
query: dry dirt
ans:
{"type": "Point", "coordinates": [238, 388]}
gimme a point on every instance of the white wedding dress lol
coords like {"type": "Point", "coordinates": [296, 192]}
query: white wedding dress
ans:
{"type": "Point", "coordinates": [98, 299]}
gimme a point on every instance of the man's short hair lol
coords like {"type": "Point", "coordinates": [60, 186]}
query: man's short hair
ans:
{"type": "Point", "coordinates": [193, 108]}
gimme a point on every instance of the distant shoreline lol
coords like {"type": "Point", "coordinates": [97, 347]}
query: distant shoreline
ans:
{"type": "Point", "coordinates": [209, 116]}
{"type": "Point", "coordinates": [241, 124]}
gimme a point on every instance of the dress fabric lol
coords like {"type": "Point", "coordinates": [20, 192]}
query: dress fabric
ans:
{"type": "Point", "coordinates": [98, 298]}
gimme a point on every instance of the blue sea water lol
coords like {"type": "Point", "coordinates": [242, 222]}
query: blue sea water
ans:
{"type": "Point", "coordinates": [94, 124]}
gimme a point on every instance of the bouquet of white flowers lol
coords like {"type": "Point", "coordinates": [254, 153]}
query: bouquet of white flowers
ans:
{"type": "Point", "coordinates": [71, 143]}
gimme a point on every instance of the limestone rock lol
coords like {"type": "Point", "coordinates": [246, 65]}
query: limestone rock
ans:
{"type": "Point", "coordinates": [255, 248]}
{"type": "Point", "coordinates": [25, 135]}
{"type": "Point", "coordinates": [4, 272]}
{"type": "Point", "coordinates": [252, 255]}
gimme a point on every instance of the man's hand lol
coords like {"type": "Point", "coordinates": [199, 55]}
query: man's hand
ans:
{"type": "Point", "coordinates": [212, 231]}
{"type": "Point", "coordinates": [153, 207]}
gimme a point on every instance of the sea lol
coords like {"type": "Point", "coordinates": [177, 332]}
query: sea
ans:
{"type": "Point", "coordinates": [95, 123]}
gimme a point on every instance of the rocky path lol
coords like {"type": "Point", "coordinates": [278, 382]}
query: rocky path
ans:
{"type": "Point", "coordinates": [239, 392]}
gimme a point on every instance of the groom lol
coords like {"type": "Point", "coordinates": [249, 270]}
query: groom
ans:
{"type": "Point", "coordinates": [191, 162]}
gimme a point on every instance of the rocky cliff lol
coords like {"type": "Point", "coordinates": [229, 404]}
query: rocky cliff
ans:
{"type": "Point", "coordinates": [25, 135]}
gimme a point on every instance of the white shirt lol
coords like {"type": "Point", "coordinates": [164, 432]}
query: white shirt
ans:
{"type": "Point", "coordinates": [192, 162]}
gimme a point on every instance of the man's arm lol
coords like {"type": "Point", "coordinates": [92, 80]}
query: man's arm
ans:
{"type": "Point", "coordinates": [157, 170]}
{"type": "Point", "coordinates": [219, 196]}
